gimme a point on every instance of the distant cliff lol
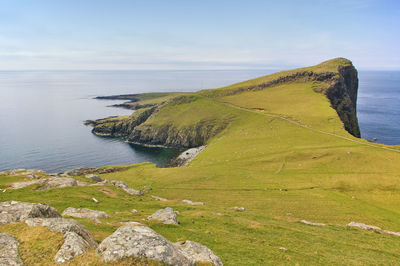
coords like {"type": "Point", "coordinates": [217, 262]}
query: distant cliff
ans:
{"type": "Point", "coordinates": [190, 120]}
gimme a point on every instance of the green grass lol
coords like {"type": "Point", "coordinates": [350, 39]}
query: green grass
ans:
{"type": "Point", "coordinates": [280, 171]}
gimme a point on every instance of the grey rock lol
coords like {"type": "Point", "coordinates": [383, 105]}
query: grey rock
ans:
{"type": "Point", "coordinates": [77, 240]}
{"type": "Point", "coordinates": [311, 223]}
{"type": "Point", "coordinates": [240, 209]}
{"type": "Point", "coordinates": [141, 241]}
{"type": "Point", "coordinates": [364, 226]}
{"type": "Point", "coordinates": [167, 216]}
{"type": "Point", "coordinates": [134, 211]}
{"type": "Point", "coordinates": [84, 213]}
{"type": "Point", "coordinates": [94, 177]}
{"type": "Point", "coordinates": [158, 198]}
{"type": "Point", "coordinates": [81, 184]}
{"type": "Point", "coordinates": [58, 182]}
{"type": "Point", "coordinates": [9, 250]}
{"type": "Point", "coordinates": [192, 202]}
{"type": "Point", "coordinates": [127, 189]}
{"type": "Point", "coordinates": [199, 252]}
{"type": "Point", "coordinates": [386, 232]}
{"type": "Point", "coordinates": [187, 156]}
{"type": "Point", "coordinates": [14, 211]}
{"type": "Point", "coordinates": [19, 185]}
{"type": "Point", "coordinates": [74, 245]}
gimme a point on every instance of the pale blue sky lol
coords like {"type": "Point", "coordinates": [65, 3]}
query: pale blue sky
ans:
{"type": "Point", "coordinates": [122, 34]}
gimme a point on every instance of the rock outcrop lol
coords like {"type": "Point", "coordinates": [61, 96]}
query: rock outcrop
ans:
{"type": "Point", "coordinates": [141, 241]}
{"type": "Point", "coordinates": [94, 177]}
{"type": "Point", "coordinates": [186, 157]}
{"type": "Point", "coordinates": [77, 240]}
{"type": "Point", "coordinates": [19, 185]}
{"type": "Point", "coordinates": [127, 189]}
{"type": "Point", "coordinates": [192, 202]}
{"type": "Point", "coordinates": [198, 252]}
{"type": "Point", "coordinates": [14, 211]}
{"type": "Point", "coordinates": [58, 182]}
{"type": "Point", "coordinates": [167, 216]}
{"type": "Point", "coordinates": [9, 250]}
{"type": "Point", "coordinates": [84, 213]}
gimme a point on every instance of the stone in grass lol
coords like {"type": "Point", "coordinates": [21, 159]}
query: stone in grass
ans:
{"type": "Point", "coordinates": [240, 209]}
{"type": "Point", "coordinates": [84, 213]}
{"type": "Point", "coordinates": [77, 240]}
{"type": "Point", "coordinates": [58, 182]}
{"type": "Point", "coordinates": [127, 189]}
{"type": "Point", "coordinates": [141, 241]}
{"type": "Point", "coordinates": [198, 252]}
{"type": "Point", "coordinates": [9, 250]}
{"type": "Point", "coordinates": [192, 202]}
{"type": "Point", "coordinates": [94, 177]}
{"type": "Point", "coordinates": [364, 226]}
{"type": "Point", "coordinates": [311, 223]}
{"type": "Point", "coordinates": [15, 211]}
{"type": "Point", "coordinates": [158, 198]}
{"type": "Point", "coordinates": [167, 216]}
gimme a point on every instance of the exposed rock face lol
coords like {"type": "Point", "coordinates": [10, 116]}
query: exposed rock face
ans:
{"type": "Point", "coordinates": [14, 211]}
{"type": "Point", "coordinates": [167, 216]}
{"type": "Point", "coordinates": [120, 128]}
{"type": "Point", "coordinates": [58, 182]}
{"type": "Point", "coordinates": [19, 185]}
{"type": "Point", "coordinates": [192, 202]}
{"type": "Point", "coordinates": [77, 240]}
{"type": "Point", "coordinates": [170, 136]}
{"type": "Point", "coordinates": [94, 177]}
{"type": "Point", "coordinates": [364, 226]}
{"type": "Point", "coordinates": [186, 157]}
{"type": "Point", "coordinates": [240, 209]}
{"type": "Point", "coordinates": [158, 198]}
{"type": "Point", "coordinates": [343, 96]}
{"type": "Point", "coordinates": [127, 189]}
{"type": "Point", "coordinates": [84, 213]}
{"type": "Point", "coordinates": [9, 250]}
{"type": "Point", "coordinates": [91, 170]}
{"type": "Point", "coordinates": [199, 252]}
{"type": "Point", "coordinates": [311, 223]}
{"type": "Point", "coordinates": [141, 241]}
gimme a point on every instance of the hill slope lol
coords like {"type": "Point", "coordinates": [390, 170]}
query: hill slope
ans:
{"type": "Point", "coordinates": [276, 146]}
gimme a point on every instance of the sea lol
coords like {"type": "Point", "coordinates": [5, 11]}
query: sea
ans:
{"type": "Point", "coordinates": [42, 113]}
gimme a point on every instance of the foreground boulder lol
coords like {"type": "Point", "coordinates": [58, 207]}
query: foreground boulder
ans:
{"type": "Point", "coordinates": [141, 241]}
{"type": "Point", "coordinates": [58, 182]}
{"type": "Point", "coordinates": [127, 189]}
{"type": "Point", "coordinates": [14, 211]}
{"type": "Point", "coordinates": [198, 252]}
{"type": "Point", "coordinates": [167, 216]}
{"type": "Point", "coordinates": [77, 240]}
{"type": "Point", "coordinates": [84, 213]}
{"type": "Point", "coordinates": [9, 250]}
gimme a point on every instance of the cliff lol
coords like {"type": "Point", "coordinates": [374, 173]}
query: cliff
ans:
{"type": "Point", "coordinates": [190, 120]}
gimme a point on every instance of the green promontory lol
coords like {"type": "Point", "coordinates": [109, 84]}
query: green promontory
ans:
{"type": "Point", "coordinates": [190, 120]}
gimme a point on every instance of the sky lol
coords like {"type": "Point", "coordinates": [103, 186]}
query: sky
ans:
{"type": "Point", "coordinates": [218, 34]}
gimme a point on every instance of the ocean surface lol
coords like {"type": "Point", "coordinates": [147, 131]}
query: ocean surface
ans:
{"type": "Point", "coordinates": [42, 113]}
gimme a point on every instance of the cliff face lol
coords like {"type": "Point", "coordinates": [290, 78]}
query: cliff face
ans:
{"type": "Point", "coordinates": [140, 127]}
{"type": "Point", "coordinates": [342, 94]}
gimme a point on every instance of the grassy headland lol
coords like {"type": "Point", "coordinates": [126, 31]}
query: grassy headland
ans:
{"type": "Point", "coordinates": [277, 148]}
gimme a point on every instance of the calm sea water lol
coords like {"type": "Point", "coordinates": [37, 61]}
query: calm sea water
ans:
{"type": "Point", "coordinates": [42, 113]}
{"type": "Point", "coordinates": [379, 106]}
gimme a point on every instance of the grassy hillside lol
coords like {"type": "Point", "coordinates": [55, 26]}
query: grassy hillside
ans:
{"type": "Point", "coordinates": [284, 155]}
